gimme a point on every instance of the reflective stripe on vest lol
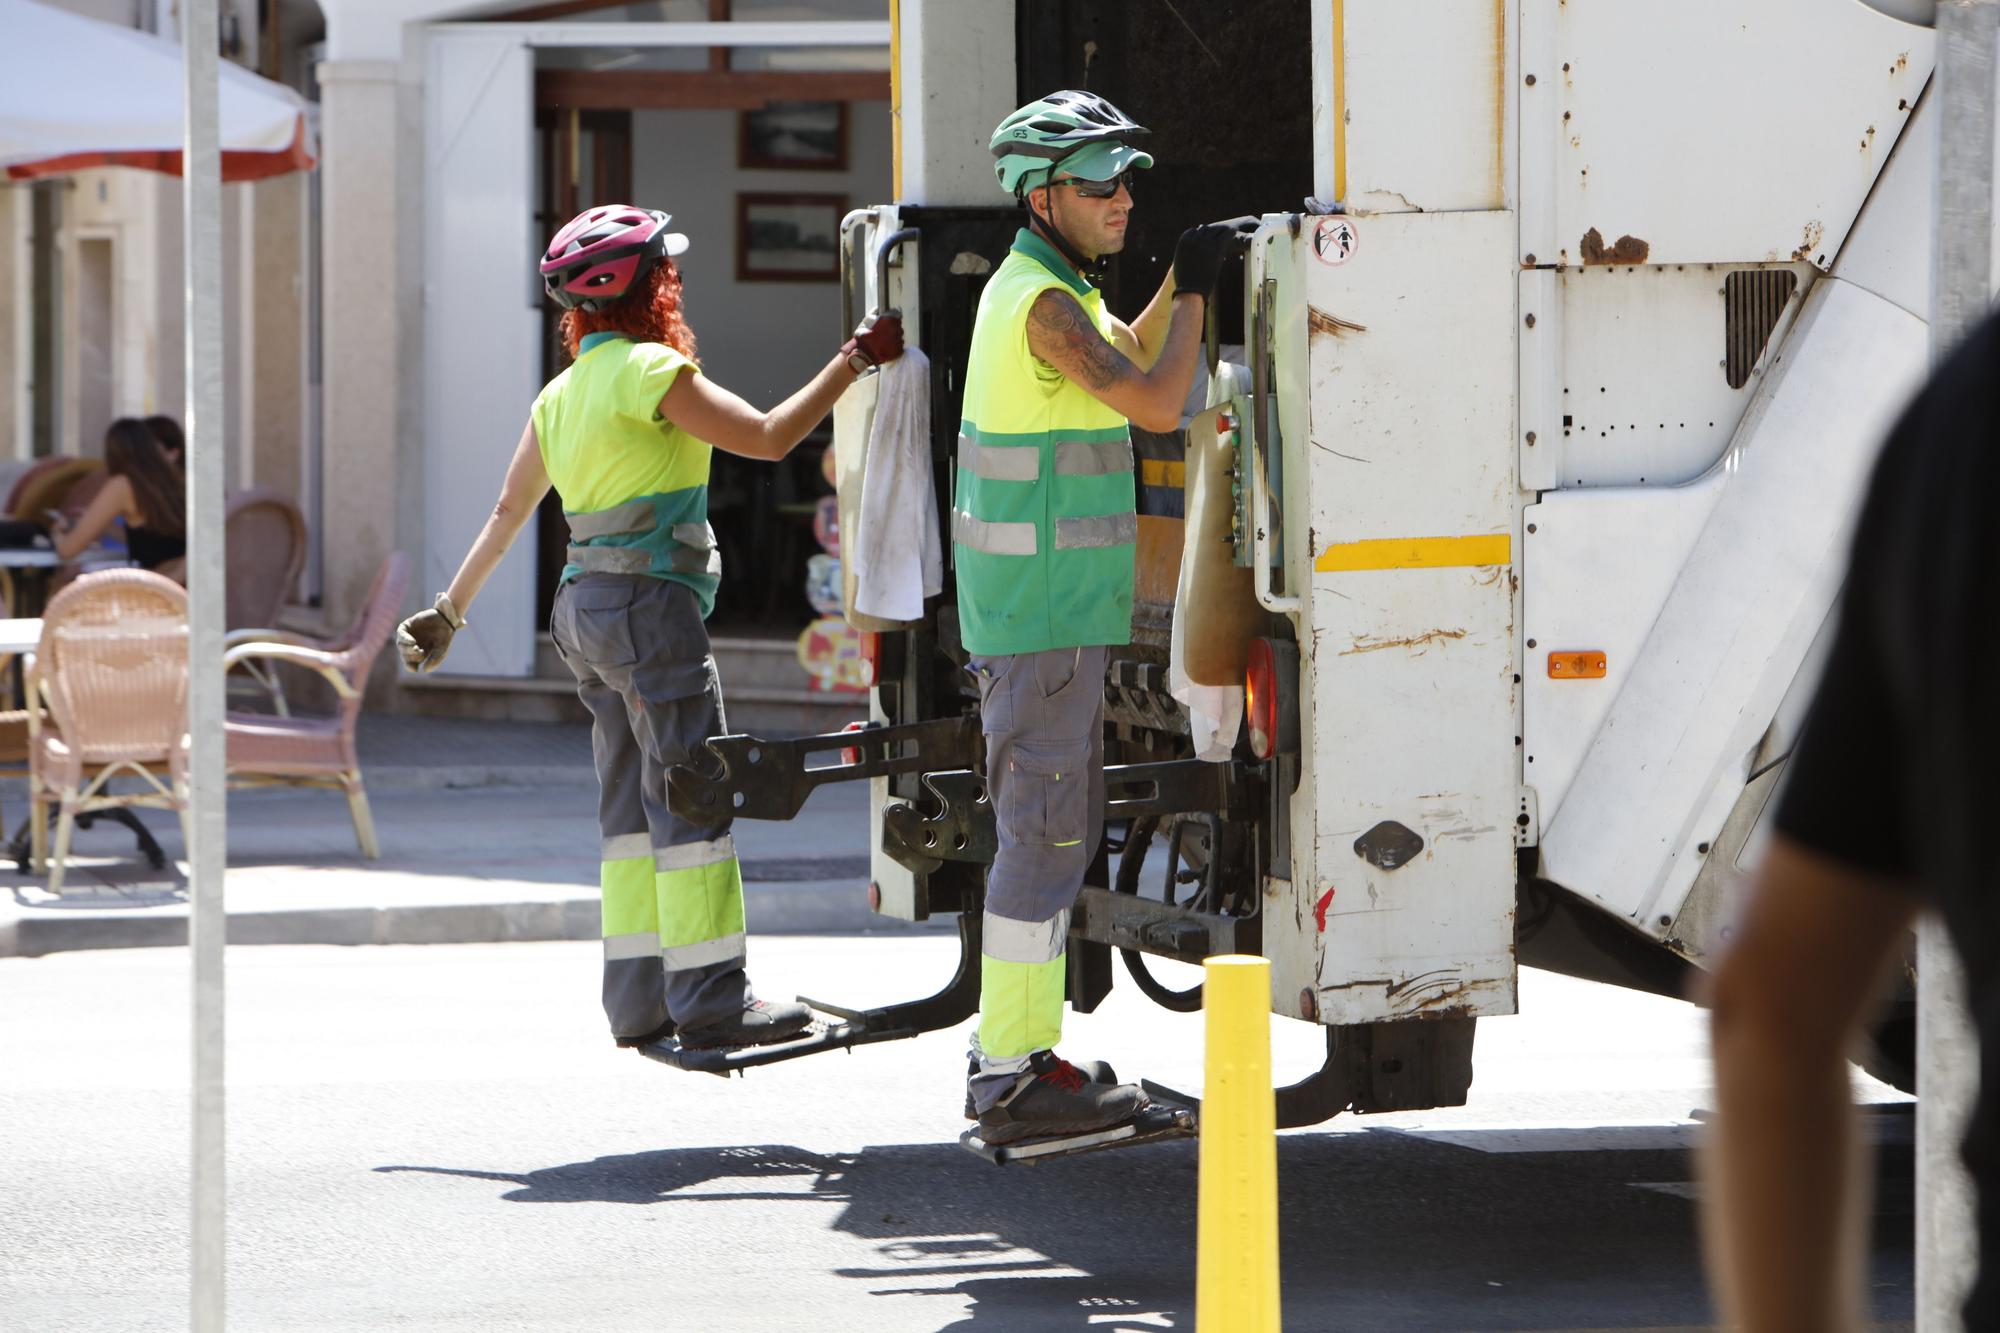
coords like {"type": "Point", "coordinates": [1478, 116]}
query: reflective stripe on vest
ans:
{"type": "Point", "coordinates": [632, 516]}
{"type": "Point", "coordinates": [640, 560]}
{"type": "Point", "coordinates": [1011, 463]}
{"type": "Point", "coordinates": [1079, 458]}
{"type": "Point", "coordinates": [1076, 534]}
{"type": "Point", "coordinates": [1023, 462]}
{"type": "Point", "coordinates": [992, 538]}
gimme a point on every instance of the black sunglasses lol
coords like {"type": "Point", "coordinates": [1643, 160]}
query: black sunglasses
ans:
{"type": "Point", "coordinates": [1099, 189]}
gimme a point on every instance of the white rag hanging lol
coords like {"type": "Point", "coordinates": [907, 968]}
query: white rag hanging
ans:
{"type": "Point", "coordinates": [897, 556]}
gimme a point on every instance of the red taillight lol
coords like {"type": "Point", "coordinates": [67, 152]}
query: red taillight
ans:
{"type": "Point", "coordinates": [871, 659]}
{"type": "Point", "coordinates": [1260, 698]}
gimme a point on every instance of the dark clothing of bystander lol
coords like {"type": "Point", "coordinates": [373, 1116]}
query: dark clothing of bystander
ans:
{"type": "Point", "coordinates": [1898, 770]}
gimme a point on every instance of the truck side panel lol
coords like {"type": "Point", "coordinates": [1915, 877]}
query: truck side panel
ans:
{"type": "Point", "coordinates": [1401, 900]}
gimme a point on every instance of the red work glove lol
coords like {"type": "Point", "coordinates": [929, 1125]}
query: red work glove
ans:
{"type": "Point", "coordinates": [878, 339]}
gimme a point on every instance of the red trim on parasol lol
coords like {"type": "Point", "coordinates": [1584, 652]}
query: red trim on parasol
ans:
{"type": "Point", "coordinates": [238, 164]}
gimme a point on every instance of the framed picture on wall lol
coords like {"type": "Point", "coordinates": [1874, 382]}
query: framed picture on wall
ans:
{"type": "Point", "coordinates": [796, 136]}
{"type": "Point", "coordinates": [788, 237]}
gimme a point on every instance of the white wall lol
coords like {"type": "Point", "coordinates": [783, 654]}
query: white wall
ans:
{"type": "Point", "coordinates": [373, 29]}
{"type": "Point", "coordinates": [762, 340]}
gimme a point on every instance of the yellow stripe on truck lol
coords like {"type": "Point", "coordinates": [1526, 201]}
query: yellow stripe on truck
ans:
{"type": "Point", "coordinates": [1416, 553]}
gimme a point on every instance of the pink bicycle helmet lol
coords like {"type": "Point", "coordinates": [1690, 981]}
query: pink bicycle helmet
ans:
{"type": "Point", "coordinates": [603, 252]}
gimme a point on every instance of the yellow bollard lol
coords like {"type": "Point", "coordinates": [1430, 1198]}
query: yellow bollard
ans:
{"type": "Point", "coordinates": [1236, 1237]}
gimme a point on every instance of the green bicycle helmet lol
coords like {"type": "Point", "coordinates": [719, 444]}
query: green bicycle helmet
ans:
{"type": "Point", "coordinates": [1079, 132]}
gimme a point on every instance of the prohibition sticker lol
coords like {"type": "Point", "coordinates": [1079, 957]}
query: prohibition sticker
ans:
{"type": "Point", "coordinates": [1335, 240]}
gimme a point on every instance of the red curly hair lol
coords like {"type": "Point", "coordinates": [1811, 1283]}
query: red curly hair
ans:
{"type": "Point", "coordinates": [649, 313]}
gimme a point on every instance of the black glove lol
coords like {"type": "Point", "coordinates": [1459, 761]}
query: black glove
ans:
{"type": "Point", "coordinates": [1198, 255]}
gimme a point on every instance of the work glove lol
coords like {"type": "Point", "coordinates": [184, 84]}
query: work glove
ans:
{"type": "Point", "coordinates": [425, 637]}
{"type": "Point", "coordinates": [877, 339]}
{"type": "Point", "coordinates": [1199, 252]}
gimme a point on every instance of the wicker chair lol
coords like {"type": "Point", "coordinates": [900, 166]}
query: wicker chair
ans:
{"type": "Point", "coordinates": [265, 536]}
{"type": "Point", "coordinates": [319, 751]}
{"type": "Point", "coordinates": [112, 672]}
{"type": "Point", "coordinates": [47, 485]}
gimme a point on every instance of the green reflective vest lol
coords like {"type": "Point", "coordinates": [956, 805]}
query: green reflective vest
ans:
{"type": "Point", "coordinates": [634, 487]}
{"type": "Point", "coordinates": [1043, 525]}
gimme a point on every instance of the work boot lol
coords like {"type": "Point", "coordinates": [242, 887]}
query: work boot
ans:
{"type": "Point", "coordinates": [760, 1023]}
{"type": "Point", "coordinates": [1055, 1098]}
{"type": "Point", "coordinates": [1097, 1071]}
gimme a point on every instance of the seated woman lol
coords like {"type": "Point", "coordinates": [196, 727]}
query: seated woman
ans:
{"type": "Point", "coordinates": [144, 489]}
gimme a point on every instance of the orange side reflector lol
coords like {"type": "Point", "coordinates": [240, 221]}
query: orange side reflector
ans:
{"type": "Point", "coordinates": [1576, 666]}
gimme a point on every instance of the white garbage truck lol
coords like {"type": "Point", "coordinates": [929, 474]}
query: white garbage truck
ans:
{"type": "Point", "coordinates": [1508, 515]}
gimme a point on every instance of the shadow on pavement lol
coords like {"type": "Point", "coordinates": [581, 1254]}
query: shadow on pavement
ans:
{"type": "Point", "coordinates": [1380, 1229]}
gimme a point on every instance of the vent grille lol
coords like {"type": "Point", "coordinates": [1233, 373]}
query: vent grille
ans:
{"type": "Point", "coordinates": [1752, 300]}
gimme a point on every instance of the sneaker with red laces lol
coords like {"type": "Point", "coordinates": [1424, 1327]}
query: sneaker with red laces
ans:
{"type": "Point", "coordinates": [1097, 1071]}
{"type": "Point", "coordinates": [1054, 1099]}
{"type": "Point", "coordinates": [759, 1023]}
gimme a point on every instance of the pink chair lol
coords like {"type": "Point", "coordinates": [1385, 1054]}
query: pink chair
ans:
{"type": "Point", "coordinates": [319, 751]}
{"type": "Point", "coordinates": [265, 536]}
{"type": "Point", "coordinates": [112, 671]}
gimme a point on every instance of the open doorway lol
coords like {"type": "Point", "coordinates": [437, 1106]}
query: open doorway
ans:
{"type": "Point", "coordinates": [582, 158]}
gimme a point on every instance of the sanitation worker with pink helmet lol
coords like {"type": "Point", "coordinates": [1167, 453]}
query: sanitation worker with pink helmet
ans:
{"type": "Point", "coordinates": [624, 435]}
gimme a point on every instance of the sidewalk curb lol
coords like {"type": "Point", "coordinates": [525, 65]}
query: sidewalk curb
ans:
{"type": "Point", "coordinates": [413, 777]}
{"type": "Point", "coordinates": [813, 907]}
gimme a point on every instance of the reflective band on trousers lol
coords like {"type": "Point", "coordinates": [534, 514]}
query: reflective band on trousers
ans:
{"type": "Point", "coordinates": [1020, 462]}
{"type": "Point", "coordinates": [640, 944]}
{"type": "Point", "coordinates": [1075, 458]}
{"type": "Point", "coordinates": [687, 914]}
{"type": "Point", "coordinates": [722, 950]}
{"type": "Point", "coordinates": [688, 855]}
{"type": "Point", "coordinates": [997, 538]}
{"type": "Point", "coordinates": [1020, 1006]}
{"type": "Point", "coordinates": [639, 560]}
{"type": "Point", "coordinates": [630, 912]}
{"type": "Point", "coordinates": [1025, 941]}
{"type": "Point", "coordinates": [1104, 530]}
{"type": "Point", "coordinates": [625, 846]}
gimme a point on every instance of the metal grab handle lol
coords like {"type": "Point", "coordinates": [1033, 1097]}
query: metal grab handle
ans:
{"type": "Point", "coordinates": [850, 225]}
{"type": "Point", "coordinates": [1262, 410]}
{"type": "Point", "coordinates": [882, 253]}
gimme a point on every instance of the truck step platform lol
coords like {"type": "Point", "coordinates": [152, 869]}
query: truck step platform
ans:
{"type": "Point", "coordinates": [1158, 1122]}
{"type": "Point", "coordinates": [827, 1032]}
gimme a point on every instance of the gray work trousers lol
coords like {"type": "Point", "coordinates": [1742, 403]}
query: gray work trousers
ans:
{"type": "Point", "coordinates": [640, 655]}
{"type": "Point", "coordinates": [1043, 718]}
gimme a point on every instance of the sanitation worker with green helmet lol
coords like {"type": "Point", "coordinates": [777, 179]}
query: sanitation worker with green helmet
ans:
{"type": "Point", "coordinates": [1044, 534]}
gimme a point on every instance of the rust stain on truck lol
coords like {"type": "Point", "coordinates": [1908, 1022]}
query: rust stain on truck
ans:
{"type": "Point", "coordinates": [1624, 250]}
{"type": "Point", "coordinates": [1364, 644]}
{"type": "Point", "coordinates": [1815, 232]}
{"type": "Point", "coordinates": [1439, 993]}
{"type": "Point", "coordinates": [1318, 321]}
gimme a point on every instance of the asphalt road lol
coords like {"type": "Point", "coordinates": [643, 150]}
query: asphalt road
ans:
{"type": "Point", "coordinates": [441, 1138]}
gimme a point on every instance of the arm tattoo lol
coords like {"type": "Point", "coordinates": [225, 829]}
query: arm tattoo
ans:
{"type": "Point", "coordinates": [1058, 323]}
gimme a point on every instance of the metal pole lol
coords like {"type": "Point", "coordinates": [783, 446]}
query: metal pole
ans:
{"type": "Point", "coordinates": [1968, 40]}
{"type": "Point", "coordinates": [202, 296]}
